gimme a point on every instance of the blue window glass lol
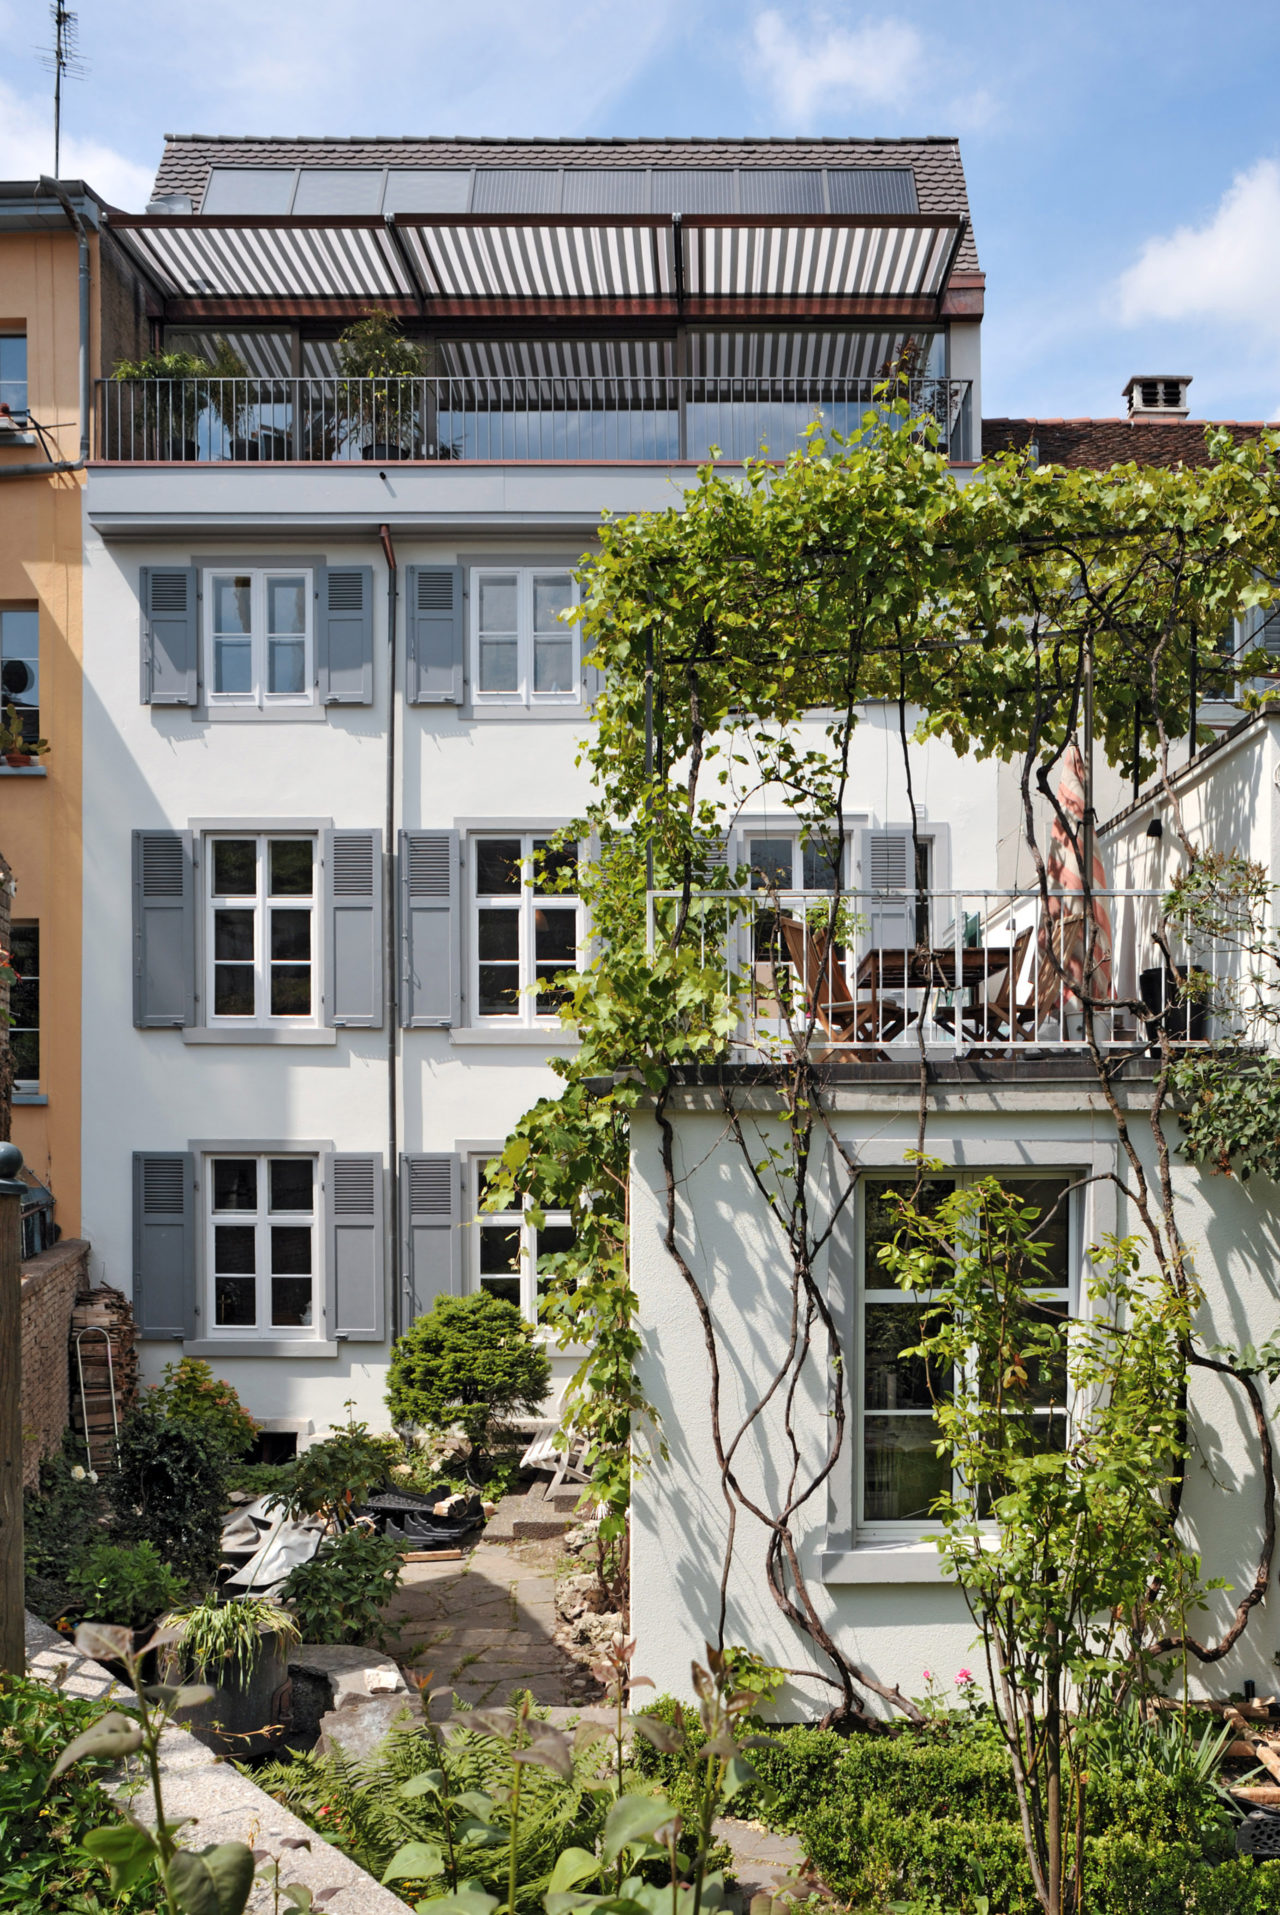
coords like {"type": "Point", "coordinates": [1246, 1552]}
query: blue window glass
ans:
{"type": "Point", "coordinates": [13, 373]}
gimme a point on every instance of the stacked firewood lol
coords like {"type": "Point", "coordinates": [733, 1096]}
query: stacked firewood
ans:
{"type": "Point", "coordinates": [96, 1311]}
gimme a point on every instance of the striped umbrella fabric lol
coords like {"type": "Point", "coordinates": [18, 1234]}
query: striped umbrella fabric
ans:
{"type": "Point", "coordinates": [1064, 927]}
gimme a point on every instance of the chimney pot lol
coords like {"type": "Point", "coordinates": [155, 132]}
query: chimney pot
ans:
{"type": "Point", "coordinates": [1157, 398]}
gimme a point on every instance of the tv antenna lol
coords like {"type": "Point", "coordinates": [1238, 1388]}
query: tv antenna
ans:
{"type": "Point", "coordinates": [63, 58]}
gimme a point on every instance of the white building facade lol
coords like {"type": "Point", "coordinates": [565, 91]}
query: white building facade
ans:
{"type": "Point", "coordinates": [332, 713]}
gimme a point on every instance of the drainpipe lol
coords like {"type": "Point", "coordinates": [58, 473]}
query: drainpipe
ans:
{"type": "Point", "coordinates": [390, 947]}
{"type": "Point", "coordinates": [32, 467]}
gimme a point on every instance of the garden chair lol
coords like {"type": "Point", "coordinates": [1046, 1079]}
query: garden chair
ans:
{"type": "Point", "coordinates": [846, 1018]}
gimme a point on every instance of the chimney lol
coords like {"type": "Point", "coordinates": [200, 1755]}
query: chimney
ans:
{"type": "Point", "coordinates": [1158, 398]}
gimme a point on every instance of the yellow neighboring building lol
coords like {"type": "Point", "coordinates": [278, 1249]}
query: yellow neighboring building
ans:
{"type": "Point", "coordinates": [60, 289]}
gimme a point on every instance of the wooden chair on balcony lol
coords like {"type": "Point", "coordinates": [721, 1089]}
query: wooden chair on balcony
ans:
{"type": "Point", "coordinates": [991, 1017]}
{"type": "Point", "coordinates": [846, 1018]}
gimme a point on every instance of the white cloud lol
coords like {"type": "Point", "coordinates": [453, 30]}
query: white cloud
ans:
{"type": "Point", "coordinates": [26, 151]}
{"type": "Point", "coordinates": [874, 64]}
{"type": "Point", "coordinates": [1226, 270]}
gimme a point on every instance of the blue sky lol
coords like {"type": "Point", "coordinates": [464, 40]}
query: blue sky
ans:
{"type": "Point", "coordinates": [1123, 159]}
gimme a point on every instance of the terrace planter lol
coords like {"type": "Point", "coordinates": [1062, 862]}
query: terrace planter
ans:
{"type": "Point", "coordinates": [248, 1719]}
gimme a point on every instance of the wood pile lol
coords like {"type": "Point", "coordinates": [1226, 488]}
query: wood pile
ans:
{"type": "Point", "coordinates": [96, 1311]}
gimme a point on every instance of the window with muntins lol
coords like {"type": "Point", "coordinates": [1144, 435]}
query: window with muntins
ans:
{"type": "Point", "coordinates": [522, 652]}
{"type": "Point", "coordinates": [508, 1249]}
{"type": "Point", "coordinates": [259, 639]}
{"type": "Point", "coordinates": [20, 666]}
{"type": "Point", "coordinates": [527, 931]}
{"type": "Point", "coordinates": [13, 374]}
{"type": "Point", "coordinates": [261, 1255]}
{"type": "Point", "coordinates": [24, 1006]}
{"type": "Point", "coordinates": [261, 930]}
{"type": "Point", "coordinates": [899, 1473]}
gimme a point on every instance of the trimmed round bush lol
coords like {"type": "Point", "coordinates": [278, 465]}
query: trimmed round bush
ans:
{"type": "Point", "coordinates": [471, 1361]}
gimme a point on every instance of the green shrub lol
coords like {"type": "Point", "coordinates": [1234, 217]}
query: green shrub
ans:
{"type": "Point", "coordinates": [60, 1518]}
{"type": "Point", "coordinates": [169, 1490]}
{"type": "Point", "coordinates": [472, 1361]}
{"type": "Point", "coordinates": [190, 1393]}
{"type": "Point", "coordinates": [122, 1582]}
{"type": "Point", "coordinates": [338, 1595]}
{"type": "Point", "coordinates": [330, 1475]}
{"type": "Point", "coordinates": [42, 1862]}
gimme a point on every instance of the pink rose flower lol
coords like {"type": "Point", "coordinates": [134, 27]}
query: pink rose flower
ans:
{"type": "Point", "coordinates": [963, 1676]}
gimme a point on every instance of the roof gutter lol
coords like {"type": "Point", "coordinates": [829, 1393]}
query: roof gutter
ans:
{"type": "Point", "coordinates": [33, 467]}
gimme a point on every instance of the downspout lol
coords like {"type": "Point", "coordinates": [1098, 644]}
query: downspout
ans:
{"type": "Point", "coordinates": [389, 939]}
{"type": "Point", "coordinates": [32, 468]}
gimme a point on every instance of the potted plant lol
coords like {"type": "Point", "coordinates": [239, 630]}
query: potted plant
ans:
{"type": "Point", "coordinates": [240, 1647]}
{"type": "Point", "coordinates": [164, 410]}
{"type": "Point", "coordinates": [382, 392]}
{"type": "Point", "coordinates": [15, 747]}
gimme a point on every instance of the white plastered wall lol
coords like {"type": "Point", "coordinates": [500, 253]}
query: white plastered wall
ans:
{"type": "Point", "coordinates": [888, 1608]}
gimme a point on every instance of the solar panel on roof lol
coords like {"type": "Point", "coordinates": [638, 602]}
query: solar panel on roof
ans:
{"type": "Point", "coordinates": [249, 189]}
{"type": "Point", "coordinates": [424, 189]}
{"type": "Point", "coordinates": [338, 189]}
{"type": "Point", "coordinates": [690, 190]}
{"type": "Point", "coordinates": [502, 189]}
{"type": "Point", "coordinates": [776, 189]}
{"type": "Point", "coordinates": [872, 189]}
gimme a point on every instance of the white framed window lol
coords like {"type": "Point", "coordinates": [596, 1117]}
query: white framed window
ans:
{"type": "Point", "coordinates": [522, 652]}
{"type": "Point", "coordinates": [260, 929]}
{"type": "Point", "coordinates": [508, 1247]}
{"type": "Point", "coordinates": [259, 637]}
{"type": "Point", "coordinates": [261, 1244]}
{"type": "Point", "coordinates": [526, 931]}
{"type": "Point", "coordinates": [784, 861]}
{"type": "Point", "coordinates": [897, 1471]}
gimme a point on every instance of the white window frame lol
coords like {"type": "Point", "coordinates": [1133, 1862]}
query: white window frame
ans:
{"type": "Point", "coordinates": [260, 904]}
{"type": "Point", "coordinates": [262, 1219]}
{"type": "Point", "coordinates": [750, 829]}
{"type": "Point", "coordinates": [517, 1219]}
{"type": "Point", "coordinates": [880, 1529]}
{"type": "Point", "coordinates": [524, 695]}
{"type": "Point", "coordinates": [259, 698]}
{"type": "Point", "coordinates": [527, 1016]}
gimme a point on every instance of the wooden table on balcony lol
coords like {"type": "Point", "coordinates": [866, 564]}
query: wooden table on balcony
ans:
{"type": "Point", "coordinates": [894, 969]}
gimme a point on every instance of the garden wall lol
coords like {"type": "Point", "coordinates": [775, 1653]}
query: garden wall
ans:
{"type": "Point", "coordinates": [50, 1284]}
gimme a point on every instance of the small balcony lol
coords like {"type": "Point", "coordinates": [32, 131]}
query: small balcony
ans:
{"type": "Point", "coordinates": [879, 975]}
{"type": "Point", "coordinates": [566, 420]}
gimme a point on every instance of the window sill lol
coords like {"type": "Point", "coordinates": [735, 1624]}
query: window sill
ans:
{"type": "Point", "coordinates": [23, 771]}
{"type": "Point", "coordinates": [905, 1562]}
{"type": "Point", "coordinates": [515, 1034]}
{"type": "Point", "coordinates": [255, 715]}
{"type": "Point", "coordinates": [201, 1034]}
{"type": "Point", "coordinates": [259, 1346]}
{"type": "Point", "coordinates": [29, 1097]}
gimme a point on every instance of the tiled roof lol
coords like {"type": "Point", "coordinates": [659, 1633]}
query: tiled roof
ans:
{"type": "Point", "coordinates": [935, 162]}
{"type": "Point", "coordinates": [1104, 442]}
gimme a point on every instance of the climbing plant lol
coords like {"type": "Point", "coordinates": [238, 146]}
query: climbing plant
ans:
{"type": "Point", "coordinates": [741, 638]}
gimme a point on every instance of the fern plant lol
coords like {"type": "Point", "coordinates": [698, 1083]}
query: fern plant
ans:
{"type": "Point", "coordinates": [447, 1788]}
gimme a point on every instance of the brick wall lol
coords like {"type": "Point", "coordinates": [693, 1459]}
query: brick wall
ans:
{"type": "Point", "coordinates": [50, 1283]}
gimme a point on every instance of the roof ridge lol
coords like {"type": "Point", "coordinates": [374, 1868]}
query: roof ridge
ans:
{"type": "Point", "coordinates": [564, 139]}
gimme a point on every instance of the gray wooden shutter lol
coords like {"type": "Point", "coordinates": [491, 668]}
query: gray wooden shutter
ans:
{"type": "Point", "coordinates": [355, 1301]}
{"type": "Point", "coordinates": [431, 1218]}
{"type": "Point", "coordinates": [888, 874]}
{"type": "Point", "coordinates": [164, 929]}
{"type": "Point", "coordinates": [170, 635]}
{"type": "Point", "coordinates": [353, 950]}
{"type": "Point", "coordinates": [434, 653]}
{"type": "Point", "coordinates": [344, 634]}
{"type": "Point", "coordinates": [164, 1243]}
{"type": "Point", "coordinates": [430, 930]}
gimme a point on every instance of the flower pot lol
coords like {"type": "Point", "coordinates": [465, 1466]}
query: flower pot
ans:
{"type": "Point", "coordinates": [381, 451]}
{"type": "Point", "coordinates": [18, 759]}
{"type": "Point", "coordinates": [246, 1719]}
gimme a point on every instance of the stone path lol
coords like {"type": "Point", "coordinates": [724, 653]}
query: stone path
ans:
{"type": "Point", "coordinates": [483, 1627]}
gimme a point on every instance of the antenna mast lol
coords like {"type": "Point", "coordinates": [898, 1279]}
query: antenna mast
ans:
{"type": "Point", "coordinates": [63, 59]}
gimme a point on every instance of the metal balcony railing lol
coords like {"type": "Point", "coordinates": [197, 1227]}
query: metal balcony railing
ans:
{"type": "Point", "coordinates": [570, 420]}
{"type": "Point", "coordinates": [874, 973]}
